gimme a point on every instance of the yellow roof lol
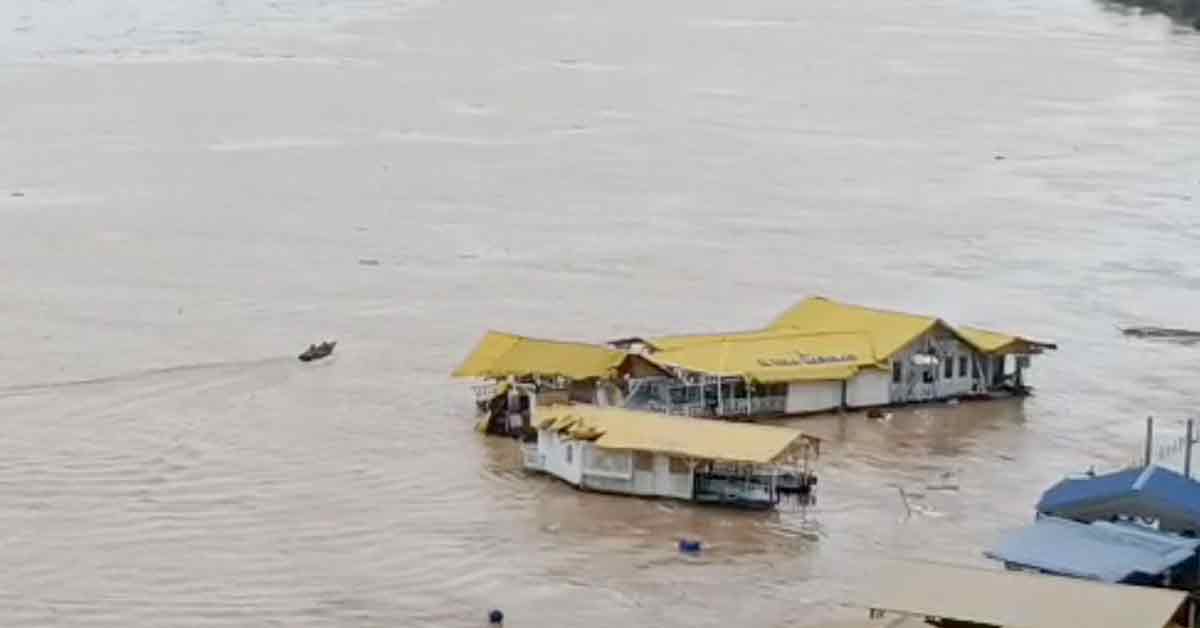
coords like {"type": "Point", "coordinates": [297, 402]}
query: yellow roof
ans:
{"type": "Point", "coordinates": [775, 356]}
{"type": "Point", "coordinates": [892, 331]}
{"type": "Point", "coordinates": [1014, 599]}
{"type": "Point", "coordinates": [995, 342]}
{"type": "Point", "coordinates": [703, 439]}
{"type": "Point", "coordinates": [889, 332]}
{"type": "Point", "coordinates": [501, 355]}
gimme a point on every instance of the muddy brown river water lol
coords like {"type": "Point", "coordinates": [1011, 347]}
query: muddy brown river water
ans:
{"type": "Point", "coordinates": [192, 192]}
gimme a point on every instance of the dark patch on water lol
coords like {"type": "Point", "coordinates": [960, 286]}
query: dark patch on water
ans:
{"type": "Point", "coordinates": [1185, 12]}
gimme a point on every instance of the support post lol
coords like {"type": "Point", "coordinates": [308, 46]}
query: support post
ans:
{"type": "Point", "coordinates": [1187, 453]}
{"type": "Point", "coordinates": [1149, 439]}
{"type": "Point", "coordinates": [904, 499]}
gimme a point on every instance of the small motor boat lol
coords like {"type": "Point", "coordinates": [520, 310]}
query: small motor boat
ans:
{"type": "Point", "coordinates": [316, 352]}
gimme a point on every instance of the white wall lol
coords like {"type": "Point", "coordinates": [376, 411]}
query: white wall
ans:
{"type": "Point", "coordinates": [669, 484]}
{"type": "Point", "coordinates": [553, 450]}
{"type": "Point", "coordinates": [813, 396]}
{"type": "Point", "coordinates": [657, 482]}
{"type": "Point", "coordinates": [869, 387]}
{"type": "Point", "coordinates": [609, 470]}
{"type": "Point", "coordinates": [681, 484]}
{"type": "Point", "coordinates": [643, 483]}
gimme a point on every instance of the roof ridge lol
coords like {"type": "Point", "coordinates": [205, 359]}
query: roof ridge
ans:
{"type": "Point", "coordinates": [579, 343]}
{"type": "Point", "coordinates": [881, 310]}
{"type": "Point", "coordinates": [868, 308]}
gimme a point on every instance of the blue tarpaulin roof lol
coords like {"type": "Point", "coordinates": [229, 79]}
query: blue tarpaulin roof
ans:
{"type": "Point", "coordinates": [1110, 552]}
{"type": "Point", "coordinates": [1152, 492]}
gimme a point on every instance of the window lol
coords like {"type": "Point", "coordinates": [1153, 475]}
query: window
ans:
{"type": "Point", "coordinates": [962, 366]}
{"type": "Point", "coordinates": [569, 454]}
{"type": "Point", "coordinates": [643, 461]}
{"type": "Point", "coordinates": [897, 371]}
{"type": "Point", "coordinates": [948, 361]}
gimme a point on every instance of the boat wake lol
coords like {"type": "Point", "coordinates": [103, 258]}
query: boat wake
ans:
{"type": "Point", "coordinates": [134, 376]}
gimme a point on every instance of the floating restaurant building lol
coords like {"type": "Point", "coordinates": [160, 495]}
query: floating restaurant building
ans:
{"type": "Point", "coordinates": [820, 355]}
{"type": "Point", "coordinates": [707, 461]}
{"type": "Point", "coordinates": [823, 355]}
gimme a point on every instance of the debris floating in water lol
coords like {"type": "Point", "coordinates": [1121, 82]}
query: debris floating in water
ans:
{"type": "Point", "coordinates": [1172, 334]}
{"type": "Point", "coordinates": [368, 262]}
{"type": "Point", "coordinates": [17, 194]}
{"type": "Point", "coordinates": [689, 546]}
{"type": "Point", "coordinates": [495, 617]}
{"type": "Point", "coordinates": [316, 352]}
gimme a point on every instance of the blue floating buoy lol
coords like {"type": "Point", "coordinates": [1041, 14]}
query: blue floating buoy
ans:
{"type": "Point", "coordinates": [689, 546]}
{"type": "Point", "coordinates": [495, 617]}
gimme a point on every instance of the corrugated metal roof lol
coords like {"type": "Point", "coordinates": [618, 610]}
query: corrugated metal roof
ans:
{"type": "Point", "coordinates": [705, 439]}
{"type": "Point", "coordinates": [892, 331]}
{"type": "Point", "coordinates": [770, 357]}
{"type": "Point", "coordinates": [1152, 492]}
{"type": "Point", "coordinates": [819, 339]}
{"type": "Point", "coordinates": [1014, 599]}
{"type": "Point", "coordinates": [500, 355]}
{"type": "Point", "coordinates": [1105, 551]}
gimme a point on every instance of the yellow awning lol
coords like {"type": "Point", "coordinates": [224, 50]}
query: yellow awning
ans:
{"type": "Point", "coordinates": [501, 355]}
{"type": "Point", "coordinates": [701, 439]}
{"type": "Point", "coordinates": [772, 356]}
{"type": "Point", "coordinates": [998, 343]}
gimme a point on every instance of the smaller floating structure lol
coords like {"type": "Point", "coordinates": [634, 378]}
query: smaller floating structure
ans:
{"type": "Point", "coordinates": [1115, 552]}
{"type": "Point", "coordinates": [1135, 526]}
{"type": "Point", "coordinates": [706, 461]}
{"type": "Point", "coordinates": [1152, 494]}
